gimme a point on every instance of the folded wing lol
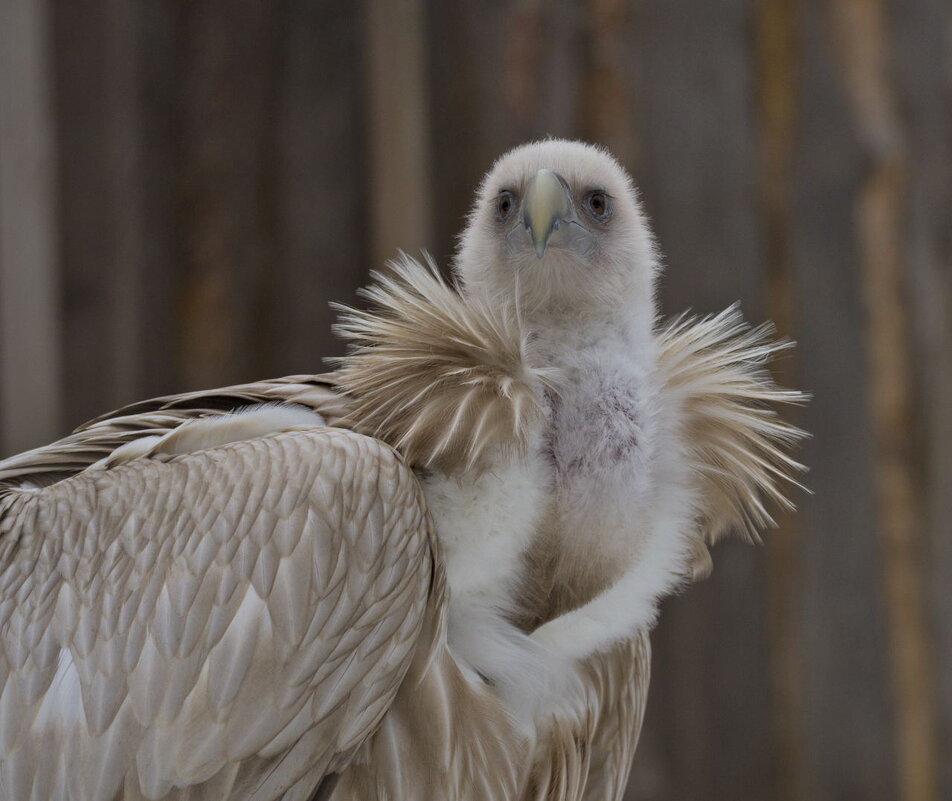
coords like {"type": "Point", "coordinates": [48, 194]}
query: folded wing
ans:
{"type": "Point", "coordinates": [230, 623]}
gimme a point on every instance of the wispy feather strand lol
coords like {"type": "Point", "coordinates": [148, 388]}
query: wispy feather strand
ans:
{"type": "Point", "coordinates": [716, 368]}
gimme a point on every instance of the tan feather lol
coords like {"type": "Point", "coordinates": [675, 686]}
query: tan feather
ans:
{"type": "Point", "coordinates": [444, 737]}
{"type": "Point", "coordinates": [716, 368]}
{"type": "Point", "coordinates": [440, 377]}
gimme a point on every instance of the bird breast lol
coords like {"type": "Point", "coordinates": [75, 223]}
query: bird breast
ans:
{"type": "Point", "coordinates": [599, 447]}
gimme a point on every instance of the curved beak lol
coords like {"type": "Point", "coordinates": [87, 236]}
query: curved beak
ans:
{"type": "Point", "coordinates": [547, 206]}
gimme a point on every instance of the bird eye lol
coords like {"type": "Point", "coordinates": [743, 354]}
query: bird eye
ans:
{"type": "Point", "coordinates": [599, 205]}
{"type": "Point", "coordinates": [505, 203]}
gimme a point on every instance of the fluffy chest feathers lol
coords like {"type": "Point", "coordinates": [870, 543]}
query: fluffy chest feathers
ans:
{"type": "Point", "coordinates": [599, 421]}
{"type": "Point", "coordinates": [534, 533]}
{"type": "Point", "coordinates": [581, 492]}
{"type": "Point", "coordinates": [600, 446]}
{"type": "Point", "coordinates": [485, 520]}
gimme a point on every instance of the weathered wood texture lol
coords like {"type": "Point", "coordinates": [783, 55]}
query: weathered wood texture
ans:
{"type": "Point", "coordinates": [185, 185]}
{"type": "Point", "coordinates": [30, 354]}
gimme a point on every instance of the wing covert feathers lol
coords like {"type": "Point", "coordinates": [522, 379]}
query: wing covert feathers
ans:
{"type": "Point", "coordinates": [445, 737]}
{"type": "Point", "coordinates": [233, 623]}
{"type": "Point", "coordinates": [716, 368]}
{"type": "Point", "coordinates": [619, 683]}
{"type": "Point", "coordinates": [440, 377]}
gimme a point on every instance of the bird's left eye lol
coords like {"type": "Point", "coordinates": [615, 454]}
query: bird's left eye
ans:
{"type": "Point", "coordinates": [599, 205]}
{"type": "Point", "coordinates": [505, 203]}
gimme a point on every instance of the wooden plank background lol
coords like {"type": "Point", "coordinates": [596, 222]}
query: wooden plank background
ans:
{"type": "Point", "coordinates": [185, 185]}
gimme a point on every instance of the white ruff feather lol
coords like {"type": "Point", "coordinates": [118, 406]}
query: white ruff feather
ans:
{"type": "Point", "coordinates": [442, 379]}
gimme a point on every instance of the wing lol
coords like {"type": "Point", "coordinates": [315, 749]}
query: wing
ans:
{"type": "Point", "coordinates": [227, 623]}
{"type": "Point", "coordinates": [447, 736]}
{"type": "Point", "coordinates": [619, 682]}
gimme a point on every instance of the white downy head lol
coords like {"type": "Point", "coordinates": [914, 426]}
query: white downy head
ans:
{"type": "Point", "coordinates": [557, 231]}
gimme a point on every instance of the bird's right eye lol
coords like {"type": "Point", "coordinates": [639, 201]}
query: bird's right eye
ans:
{"type": "Point", "coordinates": [505, 203]}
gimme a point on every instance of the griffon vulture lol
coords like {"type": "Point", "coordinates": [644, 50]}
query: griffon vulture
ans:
{"type": "Point", "coordinates": [428, 574]}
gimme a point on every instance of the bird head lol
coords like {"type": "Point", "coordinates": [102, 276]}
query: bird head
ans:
{"type": "Point", "coordinates": [557, 230]}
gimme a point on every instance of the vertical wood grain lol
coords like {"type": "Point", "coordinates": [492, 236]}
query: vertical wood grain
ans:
{"type": "Point", "coordinates": [921, 66]}
{"type": "Point", "coordinates": [695, 115]}
{"type": "Point", "coordinates": [776, 56]}
{"type": "Point", "coordinates": [30, 358]}
{"type": "Point", "coordinates": [400, 200]}
{"type": "Point", "coordinates": [861, 30]}
{"type": "Point", "coordinates": [607, 108]}
{"type": "Point", "coordinates": [321, 185]}
{"type": "Point", "coordinates": [224, 169]}
{"type": "Point", "coordinates": [117, 260]}
{"type": "Point", "coordinates": [847, 701]}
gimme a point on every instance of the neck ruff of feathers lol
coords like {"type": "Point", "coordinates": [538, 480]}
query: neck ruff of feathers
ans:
{"type": "Point", "coordinates": [629, 459]}
{"type": "Point", "coordinates": [446, 380]}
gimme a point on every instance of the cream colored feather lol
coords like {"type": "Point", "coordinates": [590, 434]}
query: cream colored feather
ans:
{"type": "Point", "coordinates": [196, 629]}
{"type": "Point", "coordinates": [716, 369]}
{"type": "Point", "coordinates": [98, 438]}
{"type": "Point", "coordinates": [442, 378]}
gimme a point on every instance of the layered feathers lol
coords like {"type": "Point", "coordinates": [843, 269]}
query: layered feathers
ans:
{"type": "Point", "coordinates": [196, 629]}
{"type": "Point", "coordinates": [715, 368]}
{"type": "Point", "coordinates": [442, 378]}
{"type": "Point", "coordinates": [98, 438]}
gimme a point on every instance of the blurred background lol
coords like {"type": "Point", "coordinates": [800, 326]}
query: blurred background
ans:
{"type": "Point", "coordinates": [185, 185]}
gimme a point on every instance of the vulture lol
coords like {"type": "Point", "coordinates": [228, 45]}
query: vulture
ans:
{"type": "Point", "coordinates": [430, 573]}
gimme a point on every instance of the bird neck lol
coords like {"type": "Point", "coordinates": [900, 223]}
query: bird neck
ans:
{"type": "Point", "coordinates": [561, 337]}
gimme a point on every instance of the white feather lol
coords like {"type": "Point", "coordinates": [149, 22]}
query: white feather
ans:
{"type": "Point", "coordinates": [485, 520]}
{"type": "Point", "coordinates": [247, 423]}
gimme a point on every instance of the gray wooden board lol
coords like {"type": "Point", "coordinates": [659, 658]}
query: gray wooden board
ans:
{"type": "Point", "coordinates": [849, 751]}
{"type": "Point", "coordinates": [922, 66]}
{"type": "Point", "coordinates": [694, 112]}
{"type": "Point", "coordinates": [320, 186]}
{"type": "Point", "coordinates": [30, 370]}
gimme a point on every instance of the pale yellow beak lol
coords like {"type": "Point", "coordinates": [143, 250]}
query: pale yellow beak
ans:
{"type": "Point", "coordinates": [547, 205]}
